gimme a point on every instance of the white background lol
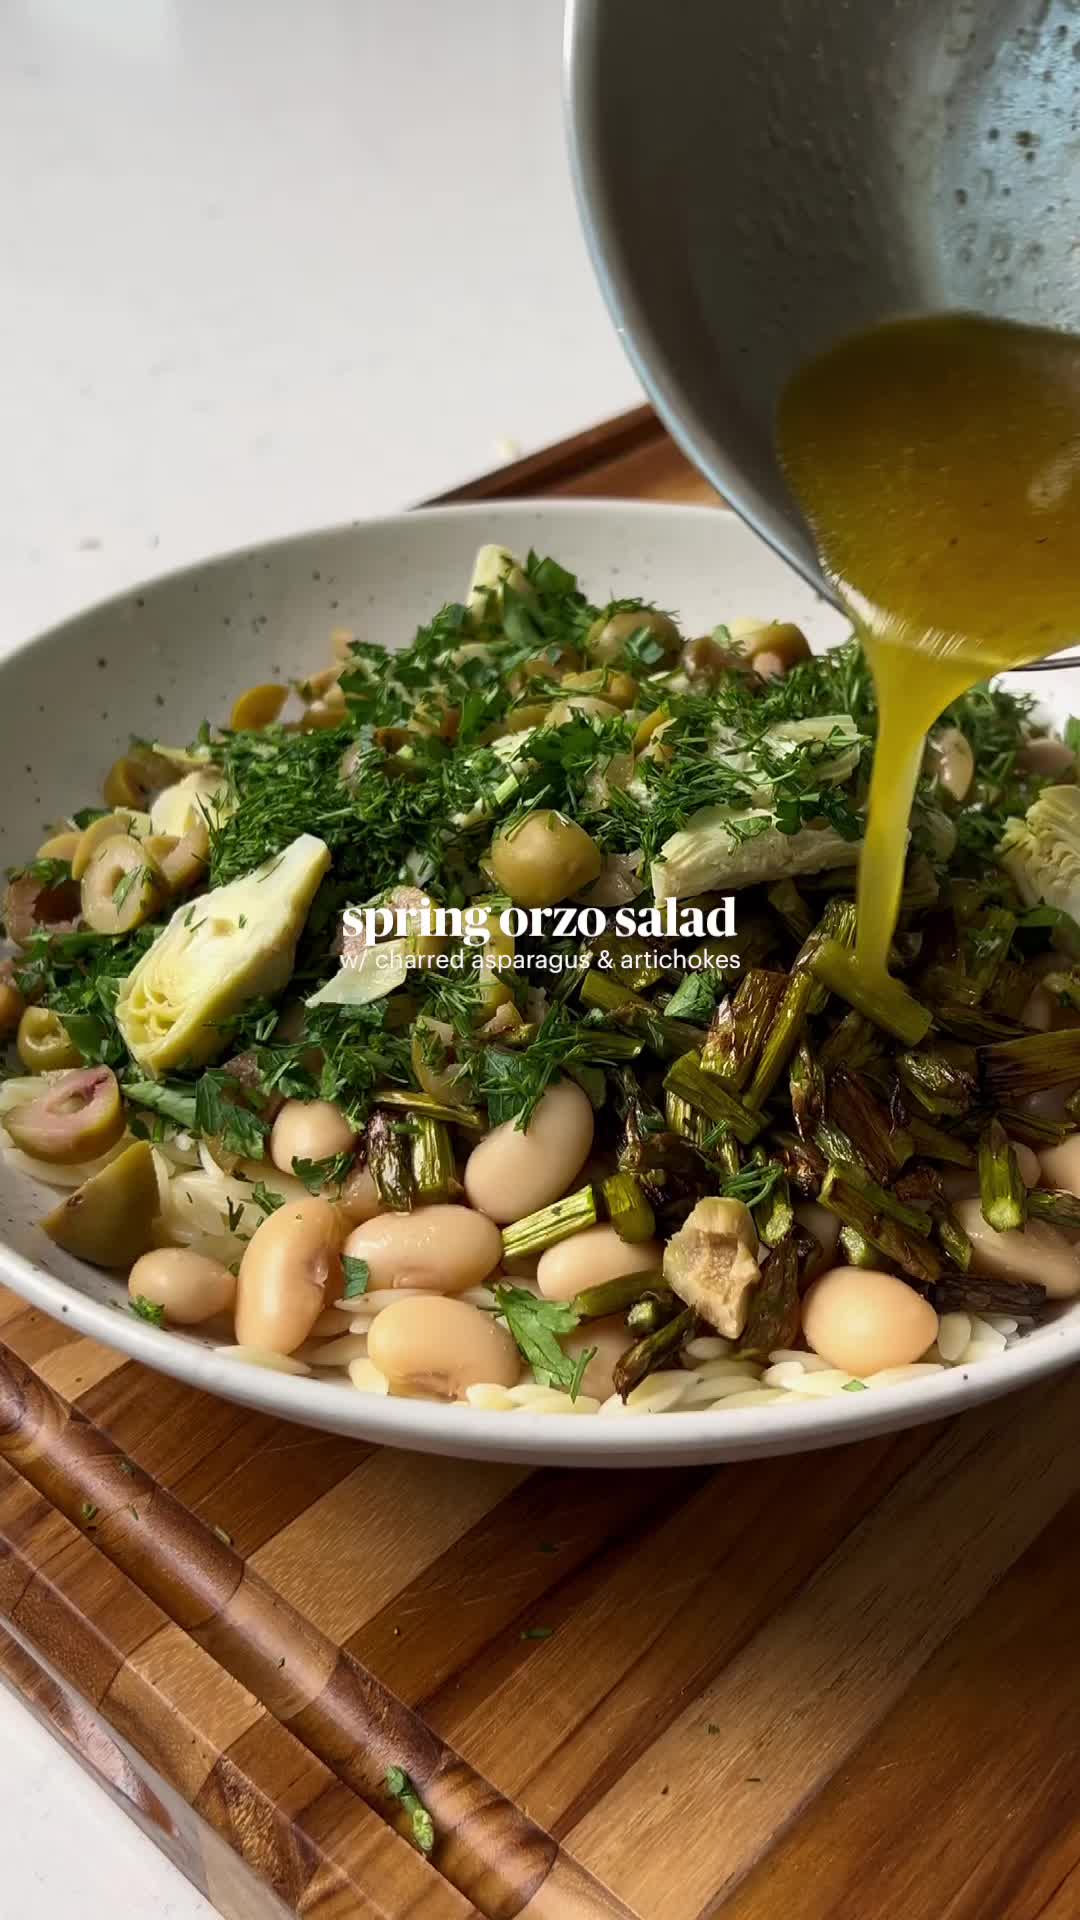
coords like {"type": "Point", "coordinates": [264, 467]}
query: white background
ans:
{"type": "Point", "coordinates": [266, 264]}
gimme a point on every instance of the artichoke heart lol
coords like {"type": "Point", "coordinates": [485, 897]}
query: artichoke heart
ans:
{"type": "Point", "coordinates": [217, 952]}
{"type": "Point", "coordinates": [742, 847]}
{"type": "Point", "coordinates": [200, 794]}
{"type": "Point", "coordinates": [1041, 855]}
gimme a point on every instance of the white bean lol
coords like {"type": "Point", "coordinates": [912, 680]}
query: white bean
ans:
{"type": "Point", "coordinates": [1035, 1252]}
{"type": "Point", "coordinates": [308, 1130]}
{"type": "Point", "coordinates": [1060, 1166]}
{"type": "Point", "coordinates": [588, 1259]}
{"type": "Point", "coordinates": [290, 1271]}
{"type": "Point", "coordinates": [438, 1348]}
{"type": "Point", "coordinates": [190, 1287]}
{"type": "Point", "coordinates": [512, 1173]}
{"type": "Point", "coordinates": [1046, 757]}
{"type": "Point", "coordinates": [1047, 1104]}
{"type": "Point", "coordinates": [359, 1197]}
{"type": "Point", "coordinates": [610, 1338]}
{"type": "Point", "coordinates": [443, 1248]}
{"type": "Point", "coordinates": [862, 1320]}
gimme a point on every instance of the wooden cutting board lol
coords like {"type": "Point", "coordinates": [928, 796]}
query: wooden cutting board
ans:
{"type": "Point", "coordinates": [827, 1687]}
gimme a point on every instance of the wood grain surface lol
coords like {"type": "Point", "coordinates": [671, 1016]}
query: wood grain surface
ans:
{"type": "Point", "coordinates": [823, 1688]}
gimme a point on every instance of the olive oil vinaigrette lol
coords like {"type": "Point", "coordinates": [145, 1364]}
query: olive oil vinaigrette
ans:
{"type": "Point", "coordinates": [938, 463]}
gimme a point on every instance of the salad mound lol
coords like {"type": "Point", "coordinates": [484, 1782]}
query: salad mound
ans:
{"type": "Point", "coordinates": [470, 1028]}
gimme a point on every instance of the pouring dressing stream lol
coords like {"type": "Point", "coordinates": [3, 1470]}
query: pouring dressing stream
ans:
{"type": "Point", "coordinates": [936, 460]}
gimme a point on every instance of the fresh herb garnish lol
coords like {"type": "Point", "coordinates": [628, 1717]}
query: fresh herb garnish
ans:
{"type": "Point", "coordinates": [127, 881]}
{"type": "Point", "coordinates": [266, 1201]}
{"type": "Point", "coordinates": [147, 1310]}
{"type": "Point", "coordinates": [423, 1827]}
{"type": "Point", "coordinates": [317, 1174]}
{"type": "Point", "coordinates": [535, 1325]}
{"type": "Point", "coordinates": [357, 1275]}
{"type": "Point", "coordinates": [219, 1115]}
{"type": "Point", "coordinates": [172, 1099]}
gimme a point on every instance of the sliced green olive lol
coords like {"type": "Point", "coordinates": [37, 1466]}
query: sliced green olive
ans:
{"type": "Point", "coordinates": [607, 637]}
{"type": "Point", "coordinates": [258, 707]}
{"type": "Point", "coordinates": [781, 638]}
{"type": "Point", "coordinates": [435, 1063]}
{"type": "Point", "coordinates": [589, 704]}
{"type": "Point", "coordinates": [560, 659]}
{"type": "Point", "coordinates": [329, 711]}
{"type": "Point", "coordinates": [109, 1220]}
{"type": "Point", "coordinates": [59, 846]}
{"type": "Point", "coordinates": [317, 685]}
{"type": "Point", "coordinates": [534, 713]}
{"type": "Point", "coordinates": [181, 863]}
{"type": "Point", "coordinates": [43, 1042]}
{"type": "Point", "coordinates": [135, 776]}
{"type": "Point", "coordinates": [121, 820]}
{"type": "Point", "coordinates": [121, 887]}
{"type": "Point", "coordinates": [543, 859]}
{"type": "Point", "coordinates": [76, 1118]}
{"type": "Point", "coordinates": [619, 689]}
{"type": "Point", "coordinates": [12, 1008]}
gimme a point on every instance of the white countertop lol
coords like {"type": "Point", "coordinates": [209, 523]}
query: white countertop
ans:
{"type": "Point", "coordinates": [265, 267]}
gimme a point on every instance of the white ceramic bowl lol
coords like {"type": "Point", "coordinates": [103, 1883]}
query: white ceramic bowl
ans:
{"type": "Point", "coordinates": [161, 659]}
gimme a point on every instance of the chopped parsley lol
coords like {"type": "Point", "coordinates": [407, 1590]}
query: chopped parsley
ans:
{"type": "Point", "coordinates": [536, 1326]}
{"type": "Point", "coordinates": [147, 1310]}
{"type": "Point", "coordinates": [401, 1788]}
{"type": "Point", "coordinates": [357, 1276]}
{"type": "Point", "coordinates": [127, 883]}
{"type": "Point", "coordinates": [220, 1115]}
{"type": "Point", "coordinates": [317, 1174]}
{"type": "Point", "coordinates": [266, 1201]}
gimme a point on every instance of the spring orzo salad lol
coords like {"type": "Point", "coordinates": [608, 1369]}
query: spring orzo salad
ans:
{"type": "Point", "coordinates": [450, 1023]}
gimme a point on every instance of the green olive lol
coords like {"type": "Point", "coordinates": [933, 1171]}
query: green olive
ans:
{"type": "Point", "coordinates": [44, 1044]}
{"type": "Point", "coordinates": [434, 1061]}
{"type": "Point", "coordinates": [106, 827]}
{"type": "Point", "coordinates": [257, 707]}
{"type": "Point", "coordinates": [181, 862]}
{"type": "Point", "coordinates": [59, 846]}
{"type": "Point", "coordinates": [135, 776]}
{"type": "Point", "coordinates": [589, 704]}
{"type": "Point", "coordinates": [619, 689]}
{"type": "Point", "coordinates": [705, 661]}
{"type": "Point", "coordinates": [558, 661]}
{"type": "Point", "coordinates": [121, 887]}
{"type": "Point", "coordinates": [109, 1220]}
{"type": "Point", "coordinates": [780, 637]}
{"type": "Point", "coordinates": [12, 1008]}
{"type": "Point", "coordinates": [491, 994]}
{"type": "Point", "coordinates": [329, 711]}
{"type": "Point", "coordinates": [544, 859]}
{"type": "Point", "coordinates": [608, 636]}
{"type": "Point", "coordinates": [77, 1117]}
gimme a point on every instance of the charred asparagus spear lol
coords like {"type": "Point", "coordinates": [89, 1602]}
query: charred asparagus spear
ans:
{"type": "Point", "coordinates": [1001, 1189]}
{"type": "Point", "coordinates": [654, 1351]}
{"type": "Point", "coordinates": [549, 1225]}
